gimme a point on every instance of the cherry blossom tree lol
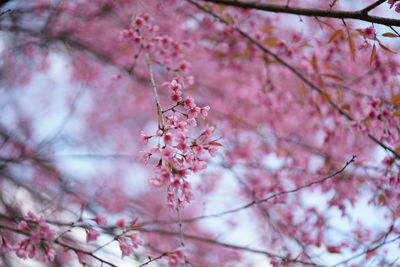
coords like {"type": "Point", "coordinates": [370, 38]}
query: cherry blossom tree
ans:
{"type": "Point", "coordinates": [199, 133]}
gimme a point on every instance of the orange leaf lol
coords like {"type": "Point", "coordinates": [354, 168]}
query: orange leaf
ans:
{"type": "Point", "coordinates": [390, 34]}
{"type": "Point", "coordinates": [302, 89]}
{"type": "Point", "coordinates": [332, 76]}
{"type": "Point", "coordinates": [352, 48]}
{"type": "Point", "coordinates": [214, 143]}
{"type": "Point", "coordinates": [336, 35]}
{"type": "Point", "coordinates": [333, 249]}
{"type": "Point", "coordinates": [381, 198]}
{"type": "Point", "coordinates": [326, 96]}
{"type": "Point", "coordinates": [222, 7]}
{"type": "Point", "coordinates": [373, 53]}
{"type": "Point", "coordinates": [360, 31]}
{"type": "Point", "coordinates": [340, 95]}
{"type": "Point", "coordinates": [386, 48]}
{"type": "Point", "coordinates": [346, 107]}
{"type": "Point", "coordinates": [396, 100]}
{"type": "Point", "coordinates": [314, 62]}
{"type": "Point", "coordinates": [361, 180]}
{"type": "Point", "coordinates": [271, 41]}
{"type": "Point", "coordinates": [267, 29]}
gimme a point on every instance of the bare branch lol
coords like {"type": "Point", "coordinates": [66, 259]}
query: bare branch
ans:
{"type": "Point", "coordinates": [372, 6]}
{"type": "Point", "coordinates": [310, 12]}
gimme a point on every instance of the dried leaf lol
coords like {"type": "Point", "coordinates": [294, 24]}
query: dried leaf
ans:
{"type": "Point", "coordinates": [302, 89]}
{"type": "Point", "coordinates": [373, 53]}
{"type": "Point", "coordinates": [390, 34]}
{"type": "Point", "coordinates": [352, 48]}
{"type": "Point", "coordinates": [346, 107]}
{"type": "Point", "coordinates": [361, 180]}
{"type": "Point", "coordinates": [314, 62]}
{"type": "Point", "coordinates": [381, 198]}
{"type": "Point", "coordinates": [360, 31]}
{"type": "Point", "coordinates": [325, 23]}
{"type": "Point", "coordinates": [332, 76]}
{"type": "Point", "coordinates": [267, 28]}
{"type": "Point", "coordinates": [386, 48]}
{"type": "Point", "coordinates": [271, 41]}
{"type": "Point", "coordinates": [340, 95]}
{"type": "Point", "coordinates": [333, 249]}
{"type": "Point", "coordinates": [222, 7]}
{"type": "Point", "coordinates": [396, 114]}
{"type": "Point", "coordinates": [396, 100]}
{"type": "Point", "coordinates": [214, 143]}
{"type": "Point", "coordinates": [229, 19]}
{"type": "Point", "coordinates": [326, 96]}
{"type": "Point", "coordinates": [335, 36]}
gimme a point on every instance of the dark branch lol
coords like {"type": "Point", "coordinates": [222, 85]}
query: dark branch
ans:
{"type": "Point", "coordinates": [372, 6]}
{"type": "Point", "coordinates": [310, 12]}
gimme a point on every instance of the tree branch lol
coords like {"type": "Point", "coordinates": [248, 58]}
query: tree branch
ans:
{"type": "Point", "coordinates": [372, 6]}
{"type": "Point", "coordinates": [228, 245]}
{"type": "Point", "coordinates": [310, 12]}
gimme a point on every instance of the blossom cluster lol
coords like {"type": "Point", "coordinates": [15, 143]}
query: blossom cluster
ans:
{"type": "Point", "coordinates": [177, 154]}
{"type": "Point", "coordinates": [128, 240]}
{"type": "Point", "coordinates": [177, 257]}
{"type": "Point", "coordinates": [39, 237]}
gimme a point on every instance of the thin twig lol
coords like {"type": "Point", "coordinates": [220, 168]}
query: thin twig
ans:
{"type": "Point", "coordinates": [154, 259]}
{"type": "Point", "coordinates": [367, 251]}
{"type": "Point", "coordinates": [228, 245]}
{"type": "Point", "coordinates": [254, 202]}
{"type": "Point", "coordinates": [153, 83]}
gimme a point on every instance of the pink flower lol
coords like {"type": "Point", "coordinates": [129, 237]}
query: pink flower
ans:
{"type": "Point", "coordinates": [176, 97]}
{"type": "Point", "coordinates": [192, 113]}
{"type": "Point", "coordinates": [5, 246]}
{"type": "Point", "coordinates": [189, 102]}
{"type": "Point", "coordinates": [138, 22]}
{"type": "Point", "coordinates": [50, 254]}
{"type": "Point", "coordinates": [127, 34]}
{"type": "Point", "coordinates": [192, 122]}
{"type": "Point", "coordinates": [392, 2]}
{"type": "Point", "coordinates": [23, 225]}
{"type": "Point", "coordinates": [168, 152]}
{"type": "Point", "coordinates": [174, 86]}
{"type": "Point", "coordinates": [204, 111]}
{"type": "Point", "coordinates": [369, 32]}
{"type": "Point", "coordinates": [92, 235]}
{"type": "Point", "coordinates": [177, 257]}
{"type": "Point", "coordinates": [100, 220]}
{"type": "Point", "coordinates": [144, 138]}
{"type": "Point", "coordinates": [120, 223]}
{"type": "Point", "coordinates": [168, 139]}
{"type": "Point", "coordinates": [136, 241]}
{"type": "Point", "coordinates": [82, 257]}
{"type": "Point", "coordinates": [125, 247]}
{"type": "Point", "coordinates": [184, 66]}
